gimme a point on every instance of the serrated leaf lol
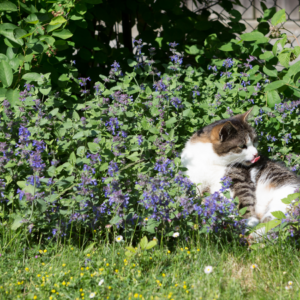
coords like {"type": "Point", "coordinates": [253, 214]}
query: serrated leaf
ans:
{"type": "Point", "coordinates": [278, 214]}
{"type": "Point", "coordinates": [144, 242]}
{"type": "Point", "coordinates": [279, 17]}
{"type": "Point", "coordinates": [6, 73]}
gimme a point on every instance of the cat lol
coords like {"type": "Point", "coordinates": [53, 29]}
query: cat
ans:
{"type": "Point", "coordinates": [228, 148]}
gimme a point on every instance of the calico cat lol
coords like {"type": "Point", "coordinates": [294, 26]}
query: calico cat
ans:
{"type": "Point", "coordinates": [228, 148]}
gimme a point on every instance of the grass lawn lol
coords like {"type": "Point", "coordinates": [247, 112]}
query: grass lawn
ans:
{"type": "Point", "coordinates": [101, 271]}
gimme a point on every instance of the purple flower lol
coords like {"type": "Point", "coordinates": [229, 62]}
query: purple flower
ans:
{"type": "Point", "coordinates": [228, 63]}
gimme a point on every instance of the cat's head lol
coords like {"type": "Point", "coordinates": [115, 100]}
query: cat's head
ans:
{"type": "Point", "coordinates": [233, 140]}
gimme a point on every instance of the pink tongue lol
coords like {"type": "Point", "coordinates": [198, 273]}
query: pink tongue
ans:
{"type": "Point", "coordinates": [254, 160]}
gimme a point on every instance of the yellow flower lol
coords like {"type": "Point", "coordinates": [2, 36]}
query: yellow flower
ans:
{"type": "Point", "coordinates": [109, 287]}
{"type": "Point", "coordinates": [87, 268]}
{"type": "Point", "coordinates": [26, 269]}
{"type": "Point", "coordinates": [88, 255]}
{"type": "Point", "coordinates": [34, 297]}
{"type": "Point", "coordinates": [163, 275]}
{"type": "Point", "coordinates": [135, 295]}
{"type": "Point", "coordinates": [187, 292]}
{"type": "Point", "coordinates": [63, 283]}
{"type": "Point", "coordinates": [169, 251]}
{"type": "Point", "coordinates": [43, 264]}
{"type": "Point", "coordinates": [80, 290]}
{"type": "Point", "coordinates": [92, 275]}
{"type": "Point", "coordinates": [45, 251]}
{"type": "Point", "coordinates": [107, 264]}
{"type": "Point", "coordinates": [63, 265]}
{"type": "Point", "coordinates": [50, 298]}
{"type": "Point", "coordinates": [184, 286]}
{"type": "Point", "coordinates": [82, 268]}
{"type": "Point", "coordinates": [189, 252]}
{"type": "Point", "coordinates": [176, 284]}
{"type": "Point", "coordinates": [198, 250]}
{"type": "Point", "coordinates": [41, 251]}
{"type": "Point", "coordinates": [72, 248]}
{"type": "Point", "coordinates": [53, 291]}
{"type": "Point", "coordinates": [181, 249]}
{"type": "Point", "coordinates": [82, 294]}
{"type": "Point", "coordinates": [38, 275]}
{"type": "Point", "coordinates": [95, 230]}
{"type": "Point", "coordinates": [186, 248]}
{"type": "Point", "coordinates": [116, 270]}
{"type": "Point", "coordinates": [81, 274]}
{"type": "Point", "coordinates": [253, 266]}
{"type": "Point", "coordinates": [150, 257]}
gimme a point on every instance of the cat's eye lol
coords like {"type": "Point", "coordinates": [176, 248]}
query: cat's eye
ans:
{"type": "Point", "coordinates": [243, 146]}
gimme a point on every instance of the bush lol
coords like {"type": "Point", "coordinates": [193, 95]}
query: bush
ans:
{"type": "Point", "coordinates": [85, 157]}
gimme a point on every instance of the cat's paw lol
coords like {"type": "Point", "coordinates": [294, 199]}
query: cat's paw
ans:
{"type": "Point", "coordinates": [252, 222]}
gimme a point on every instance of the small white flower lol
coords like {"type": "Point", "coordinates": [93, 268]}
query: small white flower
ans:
{"type": "Point", "coordinates": [284, 272]}
{"type": "Point", "coordinates": [101, 282]}
{"type": "Point", "coordinates": [208, 269]}
{"type": "Point", "coordinates": [176, 234]}
{"type": "Point", "coordinates": [232, 216]}
{"type": "Point", "coordinates": [119, 238]}
{"type": "Point", "coordinates": [288, 287]}
{"type": "Point", "coordinates": [155, 238]}
{"type": "Point", "coordinates": [290, 283]}
{"type": "Point", "coordinates": [253, 266]}
{"type": "Point", "coordinates": [92, 295]}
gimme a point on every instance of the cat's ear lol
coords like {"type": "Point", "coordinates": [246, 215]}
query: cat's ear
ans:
{"type": "Point", "coordinates": [223, 131]}
{"type": "Point", "coordinates": [246, 115]}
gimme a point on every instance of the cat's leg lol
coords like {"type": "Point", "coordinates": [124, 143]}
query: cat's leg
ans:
{"type": "Point", "coordinates": [243, 188]}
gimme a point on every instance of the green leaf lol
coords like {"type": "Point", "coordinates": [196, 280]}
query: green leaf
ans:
{"type": "Point", "coordinates": [278, 214]}
{"type": "Point", "coordinates": [7, 6]}
{"type": "Point", "coordinates": [12, 96]}
{"type": "Point", "coordinates": [151, 244]}
{"type": "Point", "coordinates": [290, 198]}
{"type": "Point", "coordinates": [80, 151]}
{"type": "Point", "coordinates": [275, 85]}
{"type": "Point", "coordinates": [58, 20]}
{"type": "Point", "coordinates": [89, 248]}
{"type": "Point", "coordinates": [293, 69]}
{"type": "Point", "coordinates": [273, 98]}
{"type": "Point", "coordinates": [270, 71]}
{"type": "Point", "coordinates": [54, 112]}
{"type": "Point", "coordinates": [131, 249]}
{"type": "Point", "coordinates": [6, 73]}
{"type": "Point", "coordinates": [17, 222]}
{"type": "Point", "coordinates": [129, 254]}
{"type": "Point", "coordinates": [226, 47]}
{"type": "Point", "coordinates": [274, 49]}
{"type": "Point", "coordinates": [279, 17]}
{"type": "Point", "coordinates": [144, 242]}
{"type": "Point", "coordinates": [193, 50]}
{"type": "Point", "coordinates": [78, 135]}
{"type": "Point", "coordinates": [72, 158]}
{"type": "Point", "coordinates": [131, 62]}
{"type": "Point", "coordinates": [32, 77]}
{"type": "Point", "coordinates": [243, 211]}
{"type": "Point", "coordinates": [284, 58]}
{"type": "Point", "coordinates": [134, 156]}
{"type": "Point", "coordinates": [93, 147]}
{"type": "Point", "coordinates": [115, 220]}
{"type": "Point", "coordinates": [271, 224]}
{"type": "Point", "coordinates": [63, 34]}
{"type": "Point", "coordinates": [80, 8]}
{"type": "Point", "coordinates": [252, 36]}
{"type": "Point", "coordinates": [170, 122]}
